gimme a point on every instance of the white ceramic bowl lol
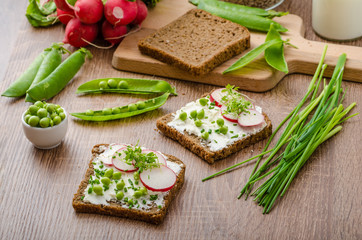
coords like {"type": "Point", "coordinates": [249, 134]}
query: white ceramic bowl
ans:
{"type": "Point", "coordinates": [46, 138]}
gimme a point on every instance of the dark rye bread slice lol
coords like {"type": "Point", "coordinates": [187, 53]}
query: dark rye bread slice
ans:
{"type": "Point", "coordinates": [196, 42]}
{"type": "Point", "coordinates": [193, 142]}
{"type": "Point", "coordinates": [154, 215]}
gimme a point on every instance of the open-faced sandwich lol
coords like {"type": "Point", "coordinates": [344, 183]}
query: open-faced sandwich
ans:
{"type": "Point", "coordinates": [129, 181]}
{"type": "Point", "coordinates": [217, 125]}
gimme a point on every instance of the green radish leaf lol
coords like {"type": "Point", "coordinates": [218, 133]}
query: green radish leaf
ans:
{"type": "Point", "coordinates": [38, 17]}
{"type": "Point", "coordinates": [274, 55]}
{"type": "Point", "coordinates": [250, 56]}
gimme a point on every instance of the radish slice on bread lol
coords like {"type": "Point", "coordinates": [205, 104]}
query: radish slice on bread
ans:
{"type": "Point", "coordinates": [119, 162]}
{"type": "Point", "coordinates": [159, 179]}
{"type": "Point", "coordinates": [250, 118]}
{"type": "Point", "coordinates": [113, 147]}
{"type": "Point", "coordinates": [232, 117]}
{"type": "Point", "coordinates": [217, 95]}
{"type": "Point", "coordinates": [161, 158]}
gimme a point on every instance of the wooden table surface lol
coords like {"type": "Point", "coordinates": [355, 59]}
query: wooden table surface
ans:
{"type": "Point", "coordinates": [37, 186]}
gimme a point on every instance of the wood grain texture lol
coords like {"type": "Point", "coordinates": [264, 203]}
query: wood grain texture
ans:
{"type": "Point", "coordinates": [37, 186]}
{"type": "Point", "coordinates": [257, 76]}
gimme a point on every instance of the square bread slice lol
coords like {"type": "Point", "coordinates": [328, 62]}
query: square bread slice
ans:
{"type": "Point", "coordinates": [196, 42]}
{"type": "Point", "coordinates": [199, 147]}
{"type": "Point", "coordinates": [151, 214]}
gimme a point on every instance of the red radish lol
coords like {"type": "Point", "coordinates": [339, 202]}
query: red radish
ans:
{"type": "Point", "coordinates": [63, 5]}
{"type": "Point", "coordinates": [159, 179]}
{"type": "Point", "coordinates": [232, 117]}
{"type": "Point", "coordinates": [161, 158]}
{"type": "Point", "coordinates": [141, 13]}
{"type": "Point", "coordinates": [119, 163]}
{"type": "Point", "coordinates": [113, 34]}
{"type": "Point", "coordinates": [65, 16]}
{"type": "Point", "coordinates": [78, 34]}
{"type": "Point", "coordinates": [217, 95]}
{"type": "Point", "coordinates": [253, 118]}
{"type": "Point", "coordinates": [89, 11]}
{"type": "Point", "coordinates": [113, 148]}
{"type": "Point", "coordinates": [120, 12]}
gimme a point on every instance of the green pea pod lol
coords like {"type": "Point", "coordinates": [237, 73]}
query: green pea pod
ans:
{"type": "Point", "coordinates": [241, 9]}
{"type": "Point", "coordinates": [60, 77]}
{"type": "Point", "coordinates": [274, 55]}
{"type": "Point", "coordinates": [150, 104]}
{"type": "Point", "coordinates": [49, 64]}
{"type": "Point", "coordinates": [249, 21]}
{"type": "Point", "coordinates": [136, 86]}
{"type": "Point", "coordinates": [19, 87]}
{"type": "Point", "coordinates": [250, 56]}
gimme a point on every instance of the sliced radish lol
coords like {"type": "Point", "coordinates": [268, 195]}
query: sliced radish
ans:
{"type": "Point", "coordinates": [119, 162]}
{"type": "Point", "coordinates": [217, 95]}
{"type": "Point", "coordinates": [108, 153]}
{"type": "Point", "coordinates": [161, 158]}
{"type": "Point", "coordinates": [232, 117]}
{"type": "Point", "coordinates": [250, 118]}
{"type": "Point", "coordinates": [159, 179]}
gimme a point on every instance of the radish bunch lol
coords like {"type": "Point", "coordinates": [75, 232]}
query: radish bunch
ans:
{"type": "Point", "coordinates": [86, 18]}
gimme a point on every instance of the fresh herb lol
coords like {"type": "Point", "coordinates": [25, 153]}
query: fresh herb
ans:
{"type": "Point", "coordinates": [144, 201]}
{"type": "Point", "coordinates": [125, 190]}
{"type": "Point", "coordinates": [235, 103]}
{"type": "Point", "coordinates": [159, 206]}
{"type": "Point", "coordinates": [82, 197]}
{"type": "Point", "coordinates": [153, 197]}
{"type": "Point", "coordinates": [90, 190]}
{"type": "Point", "coordinates": [235, 136]}
{"type": "Point", "coordinates": [130, 182]}
{"type": "Point", "coordinates": [142, 161]}
{"type": "Point", "coordinates": [202, 130]}
{"type": "Point", "coordinates": [41, 15]}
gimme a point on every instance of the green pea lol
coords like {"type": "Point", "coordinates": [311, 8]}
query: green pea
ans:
{"type": "Point", "coordinates": [124, 109]}
{"type": "Point", "coordinates": [201, 114]}
{"type": "Point", "coordinates": [44, 122]}
{"type": "Point", "coordinates": [57, 120]}
{"type": "Point", "coordinates": [117, 175]}
{"type": "Point", "coordinates": [123, 84]}
{"type": "Point", "coordinates": [203, 101]}
{"type": "Point", "coordinates": [116, 110]}
{"type": "Point", "coordinates": [33, 121]}
{"type": "Point", "coordinates": [198, 123]}
{"type": "Point", "coordinates": [97, 189]}
{"type": "Point", "coordinates": [130, 201]}
{"type": "Point", "coordinates": [193, 114]}
{"type": "Point", "coordinates": [33, 109]}
{"type": "Point", "coordinates": [56, 106]}
{"type": "Point", "coordinates": [51, 123]}
{"type": "Point", "coordinates": [132, 107]}
{"type": "Point", "coordinates": [138, 194]}
{"type": "Point", "coordinates": [120, 185]}
{"type": "Point", "coordinates": [42, 113]}
{"type": "Point", "coordinates": [53, 115]}
{"type": "Point", "coordinates": [112, 83]}
{"type": "Point", "coordinates": [89, 112]}
{"type": "Point", "coordinates": [106, 181]}
{"type": "Point", "coordinates": [136, 175]}
{"type": "Point", "coordinates": [109, 173]}
{"type": "Point", "coordinates": [120, 195]}
{"type": "Point", "coordinates": [103, 85]}
{"type": "Point", "coordinates": [62, 115]}
{"type": "Point", "coordinates": [59, 110]}
{"type": "Point", "coordinates": [220, 122]}
{"type": "Point", "coordinates": [107, 111]}
{"type": "Point", "coordinates": [141, 104]}
{"type": "Point", "coordinates": [50, 108]}
{"type": "Point", "coordinates": [39, 104]}
{"type": "Point", "coordinates": [143, 190]}
{"type": "Point", "coordinates": [205, 135]}
{"type": "Point", "coordinates": [26, 118]}
{"type": "Point", "coordinates": [224, 130]}
{"type": "Point", "coordinates": [183, 116]}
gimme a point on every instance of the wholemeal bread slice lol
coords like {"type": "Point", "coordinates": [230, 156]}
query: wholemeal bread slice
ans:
{"type": "Point", "coordinates": [195, 145]}
{"type": "Point", "coordinates": [155, 214]}
{"type": "Point", "coordinates": [196, 42]}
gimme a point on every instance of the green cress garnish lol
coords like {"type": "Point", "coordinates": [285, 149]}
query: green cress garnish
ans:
{"type": "Point", "coordinates": [142, 161]}
{"type": "Point", "coordinates": [234, 101]}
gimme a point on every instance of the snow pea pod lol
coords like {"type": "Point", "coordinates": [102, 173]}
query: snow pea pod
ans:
{"type": "Point", "coordinates": [249, 21]}
{"type": "Point", "coordinates": [60, 77]}
{"type": "Point", "coordinates": [19, 87]}
{"type": "Point", "coordinates": [124, 111]}
{"type": "Point", "coordinates": [51, 61]}
{"type": "Point", "coordinates": [126, 85]}
{"type": "Point", "coordinates": [274, 55]}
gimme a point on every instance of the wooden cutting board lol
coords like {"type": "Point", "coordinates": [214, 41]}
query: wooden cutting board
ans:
{"type": "Point", "coordinates": [258, 76]}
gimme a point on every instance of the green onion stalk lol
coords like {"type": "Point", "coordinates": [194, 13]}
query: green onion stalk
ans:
{"type": "Point", "coordinates": [313, 121]}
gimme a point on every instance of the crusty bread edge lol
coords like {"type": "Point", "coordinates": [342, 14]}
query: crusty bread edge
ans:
{"type": "Point", "coordinates": [154, 216]}
{"type": "Point", "coordinates": [193, 143]}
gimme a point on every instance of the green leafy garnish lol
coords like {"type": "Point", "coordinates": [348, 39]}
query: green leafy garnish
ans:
{"type": "Point", "coordinates": [235, 103]}
{"type": "Point", "coordinates": [41, 16]}
{"type": "Point", "coordinates": [153, 197]}
{"type": "Point", "coordinates": [142, 161]}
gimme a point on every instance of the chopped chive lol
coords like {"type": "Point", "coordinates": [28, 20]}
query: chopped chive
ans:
{"type": "Point", "coordinates": [235, 136]}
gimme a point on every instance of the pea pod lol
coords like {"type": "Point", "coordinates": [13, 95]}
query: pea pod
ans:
{"type": "Point", "coordinates": [99, 115]}
{"type": "Point", "coordinates": [126, 85]}
{"type": "Point", "coordinates": [59, 78]}
{"type": "Point", "coordinates": [241, 9]}
{"type": "Point", "coordinates": [274, 55]}
{"type": "Point", "coordinates": [249, 21]}
{"type": "Point", "coordinates": [250, 56]}
{"type": "Point", "coordinates": [19, 87]}
{"type": "Point", "coordinates": [51, 61]}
